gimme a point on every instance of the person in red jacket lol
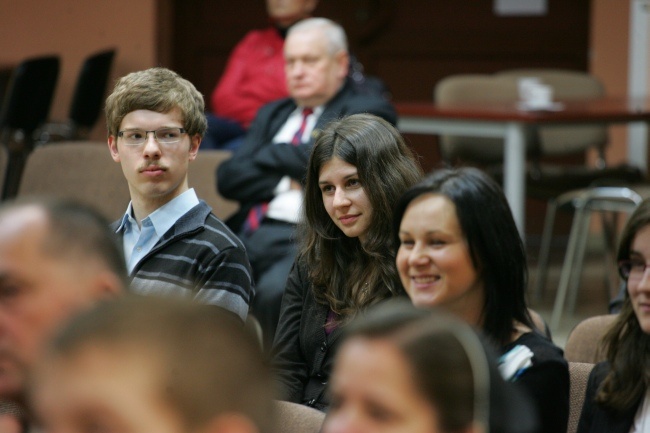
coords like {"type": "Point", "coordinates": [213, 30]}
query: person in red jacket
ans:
{"type": "Point", "coordinates": [254, 75]}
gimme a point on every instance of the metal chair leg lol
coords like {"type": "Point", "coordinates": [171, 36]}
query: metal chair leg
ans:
{"type": "Point", "coordinates": [613, 199]}
{"type": "Point", "coordinates": [567, 268]}
{"type": "Point", "coordinates": [610, 226]}
{"type": "Point", "coordinates": [581, 250]}
{"type": "Point", "coordinates": [545, 250]}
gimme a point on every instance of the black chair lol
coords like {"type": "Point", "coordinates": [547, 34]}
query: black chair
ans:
{"type": "Point", "coordinates": [5, 75]}
{"type": "Point", "coordinates": [87, 101]}
{"type": "Point", "coordinates": [25, 107]}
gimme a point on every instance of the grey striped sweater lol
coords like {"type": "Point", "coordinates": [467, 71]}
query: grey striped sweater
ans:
{"type": "Point", "coordinates": [198, 257]}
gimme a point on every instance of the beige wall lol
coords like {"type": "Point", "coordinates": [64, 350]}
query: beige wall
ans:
{"type": "Point", "coordinates": [74, 29]}
{"type": "Point", "coordinates": [609, 60]}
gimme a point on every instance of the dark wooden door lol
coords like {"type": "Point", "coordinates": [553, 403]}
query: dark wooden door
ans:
{"type": "Point", "coordinates": [409, 44]}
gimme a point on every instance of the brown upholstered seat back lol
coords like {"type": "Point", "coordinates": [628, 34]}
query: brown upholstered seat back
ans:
{"type": "Point", "coordinates": [584, 341]}
{"type": "Point", "coordinates": [296, 418]}
{"type": "Point", "coordinates": [579, 376]}
{"type": "Point", "coordinates": [81, 170]}
{"type": "Point", "coordinates": [202, 177]}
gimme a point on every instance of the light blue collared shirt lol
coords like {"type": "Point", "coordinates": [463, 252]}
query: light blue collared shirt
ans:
{"type": "Point", "coordinates": [138, 242]}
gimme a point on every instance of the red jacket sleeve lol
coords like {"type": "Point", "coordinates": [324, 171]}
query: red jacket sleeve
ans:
{"type": "Point", "coordinates": [254, 76]}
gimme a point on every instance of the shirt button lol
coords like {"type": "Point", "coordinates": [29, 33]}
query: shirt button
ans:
{"type": "Point", "coordinates": [311, 402]}
{"type": "Point", "coordinates": [323, 347]}
{"type": "Point", "coordinates": [138, 249]}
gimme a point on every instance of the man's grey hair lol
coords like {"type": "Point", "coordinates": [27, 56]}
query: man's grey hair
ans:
{"type": "Point", "coordinates": [334, 34]}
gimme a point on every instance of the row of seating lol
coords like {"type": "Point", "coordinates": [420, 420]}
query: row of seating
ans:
{"type": "Point", "coordinates": [26, 103]}
{"type": "Point", "coordinates": [86, 104]}
{"type": "Point", "coordinates": [85, 171]}
{"type": "Point", "coordinates": [582, 351]}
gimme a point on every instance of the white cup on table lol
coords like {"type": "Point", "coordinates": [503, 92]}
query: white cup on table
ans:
{"type": "Point", "coordinates": [535, 94]}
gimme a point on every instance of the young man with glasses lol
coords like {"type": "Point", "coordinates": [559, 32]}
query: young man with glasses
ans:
{"type": "Point", "coordinates": [173, 244]}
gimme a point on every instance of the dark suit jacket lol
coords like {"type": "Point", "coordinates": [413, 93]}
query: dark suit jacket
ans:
{"type": "Point", "coordinates": [303, 352]}
{"type": "Point", "coordinates": [596, 419]}
{"type": "Point", "coordinates": [256, 168]}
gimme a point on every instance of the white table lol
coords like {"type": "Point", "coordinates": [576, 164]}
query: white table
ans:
{"type": "Point", "coordinates": [505, 120]}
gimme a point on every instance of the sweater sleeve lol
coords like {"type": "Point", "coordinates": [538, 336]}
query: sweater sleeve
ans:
{"type": "Point", "coordinates": [547, 382]}
{"type": "Point", "coordinates": [289, 363]}
{"type": "Point", "coordinates": [226, 282]}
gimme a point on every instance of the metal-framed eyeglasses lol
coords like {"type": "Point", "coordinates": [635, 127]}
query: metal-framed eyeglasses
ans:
{"type": "Point", "coordinates": [164, 136]}
{"type": "Point", "coordinates": [632, 269]}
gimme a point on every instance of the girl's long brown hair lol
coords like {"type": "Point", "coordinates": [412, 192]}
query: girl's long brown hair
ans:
{"type": "Point", "coordinates": [628, 347]}
{"type": "Point", "coordinates": [346, 274]}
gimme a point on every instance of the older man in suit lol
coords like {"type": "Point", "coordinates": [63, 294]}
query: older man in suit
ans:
{"type": "Point", "coordinates": [264, 175]}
